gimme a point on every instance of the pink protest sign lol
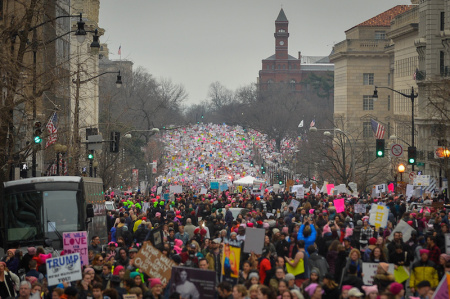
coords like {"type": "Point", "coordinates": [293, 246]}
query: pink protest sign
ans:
{"type": "Point", "coordinates": [339, 205]}
{"type": "Point", "coordinates": [77, 242]}
{"type": "Point", "coordinates": [329, 187]}
{"type": "Point", "coordinates": [391, 187]}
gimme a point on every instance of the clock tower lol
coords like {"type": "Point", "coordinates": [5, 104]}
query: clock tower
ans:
{"type": "Point", "coordinates": [281, 36]}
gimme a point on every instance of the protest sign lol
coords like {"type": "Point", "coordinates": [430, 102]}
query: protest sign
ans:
{"type": "Point", "coordinates": [154, 263]}
{"type": "Point", "coordinates": [223, 187]}
{"type": "Point", "coordinates": [230, 261]}
{"type": "Point", "coordinates": [391, 187]}
{"type": "Point", "coordinates": [409, 191]}
{"type": "Point", "coordinates": [324, 187]}
{"type": "Point", "coordinates": [404, 228]}
{"type": "Point", "coordinates": [214, 185]}
{"type": "Point", "coordinates": [159, 190]}
{"type": "Point", "coordinates": [378, 216]}
{"type": "Point", "coordinates": [370, 270]}
{"type": "Point", "coordinates": [380, 188]}
{"type": "Point", "coordinates": [203, 191]}
{"type": "Point", "coordinates": [294, 203]}
{"type": "Point", "coordinates": [193, 283]}
{"type": "Point", "coordinates": [360, 208]}
{"type": "Point", "coordinates": [329, 188]}
{"type": "Point", "coordinates": [63, 268]}
{"type": "Point", "coordinates": [176, 189]}
{"type": "Point", "coordinates": [254, 240]}
{"type": "Point", "coordinates": [447, 243]}
{"type": "Point", "coordinates": [401, 274]}
{"type": "Point", "coordinates": [77, 242]}
{"type": "Point", "coordinates": [442, 290]}
{"type": "Point", "coordinates": [341, 189]}
{"type": "Point", "coordinates": [339, 204]}
{"type": "Point", "coordinates": [129, 296]}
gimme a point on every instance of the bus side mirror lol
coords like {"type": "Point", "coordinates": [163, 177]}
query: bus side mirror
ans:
{"type": "Point", "coordinates": [89, 210]}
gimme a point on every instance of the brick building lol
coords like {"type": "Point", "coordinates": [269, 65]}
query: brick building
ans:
{"type": "Point", "coordinates": [284, 68]}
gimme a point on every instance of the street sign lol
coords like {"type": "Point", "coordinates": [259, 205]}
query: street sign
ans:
{"type": "Point", "coordinates": [396, 150]}
{"type": "Point", "coordinates": [420, 164]}
{"type": "Point", "coordinates": [412, 175]}
{"type": "Point", "coordinates": [95, 142]}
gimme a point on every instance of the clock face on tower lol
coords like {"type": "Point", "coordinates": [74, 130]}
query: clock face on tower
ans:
{"type": "Point", "coordinates": [281, 43]}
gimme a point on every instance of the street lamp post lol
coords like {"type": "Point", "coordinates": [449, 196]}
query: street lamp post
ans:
{"type": "Point", "coordinates": [411, 96]}
{"type": "Point", "coordinates": [328, 133]}
{"type": "Point", "coordinates": [76, 118]}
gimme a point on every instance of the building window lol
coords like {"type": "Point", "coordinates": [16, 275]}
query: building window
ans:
{"type": "Point", "coordinates": [389, 103]}
{"type": "Point", "coordinates": [442, 23]}
{"type": "Point", "coordinates": [442, 62]}
{"type": "Point", "coordinates": [278, 67]}
{"type": "Point", "coordinates": [367, 103]}
{"type": "Point", "coordinates": [367, 129]}
{"type": "Point", "coordinates": [389, 129]}
{"type": "Point", "coordinates": [281, 30]}
{"type": "Point", "coordinates": [380, 34]}
{"type": "Point", "coordinates": [368, 78]}
{"type": "Point", "coordinates": [389, 78]}
{"type": "Point", "coordinates": [270, 81]}
{"type": "Point", "coordinates": [273, 66]}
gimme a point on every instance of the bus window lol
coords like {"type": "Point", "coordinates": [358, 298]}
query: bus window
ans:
{"type": "Point", "coordinates": [60, 208]}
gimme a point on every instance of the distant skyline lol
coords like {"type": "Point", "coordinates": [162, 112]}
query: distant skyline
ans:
{"type": "Point", "coordinates": [198, 42]}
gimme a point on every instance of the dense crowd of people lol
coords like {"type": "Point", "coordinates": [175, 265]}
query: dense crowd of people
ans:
{"type": "Point", "coordinates": [309, 252]}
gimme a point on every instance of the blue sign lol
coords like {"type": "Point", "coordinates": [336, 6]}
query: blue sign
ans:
{"type": "Point", "coordinates": [223, 187]}
{"type": "Point", "coordinates": [166, 196]}
{"type": "Point", "coordinates": [214, 185]}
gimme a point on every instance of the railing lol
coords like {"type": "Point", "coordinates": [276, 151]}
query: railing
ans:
{"type": "Point", "coordinates": [361, 45]}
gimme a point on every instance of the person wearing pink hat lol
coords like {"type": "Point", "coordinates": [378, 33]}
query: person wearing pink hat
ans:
{"type": "Point", "coordinates": [371, 291]}
{"type": "Point", "coordinates": [397, 290]}
{"type": "Point", "coordinates": [423, 269]}
{"type": "Point", "coordinates": [156, 288]}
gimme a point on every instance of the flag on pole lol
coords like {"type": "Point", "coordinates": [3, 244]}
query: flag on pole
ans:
{"type": "Point", "coordinates": [120, 50]}
{"type": "Point", "coordinates": [300, 125]}
{"type": "Point", "coordinates": [378, 129]}
{"type": "Point", "coordinates": [52, 130]}
{"type": "Point", "coordinates": [313, 123]}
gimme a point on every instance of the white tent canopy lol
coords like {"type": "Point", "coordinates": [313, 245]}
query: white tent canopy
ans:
{"type": "Point", "coordinates": [248, 180]}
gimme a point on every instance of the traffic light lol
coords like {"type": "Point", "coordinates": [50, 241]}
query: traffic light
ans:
{"type": "Point", "coordinates": [114, 143]}
{"type": "Point", "coordinates": [380, 148]}
{"type": "Point", "coordinates": [412, 155]}
{"type": "Point", "coordinates": [251, 163]}
{"type": "Point", "coordinates": [202, 116]}
{"type": "Point", "coordinates": [262, 166]}
{"type": "Point", "coordinates": [263, 169]}
{"type": "Point", "coordinates": [91, 155]}
{"type": "Point", "coordinates": [37, 132]}
{"type": "Point", "coordinates": [280, 181]}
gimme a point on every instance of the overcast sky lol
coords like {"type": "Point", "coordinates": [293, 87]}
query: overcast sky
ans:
{"type": "Point", "coordinates": [197, 42]}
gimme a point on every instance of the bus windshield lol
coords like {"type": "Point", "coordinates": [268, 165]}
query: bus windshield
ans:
{"type": "Point", "coordinates": [33, 215]}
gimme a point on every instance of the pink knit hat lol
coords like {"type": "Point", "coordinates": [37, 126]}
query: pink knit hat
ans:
{"type": "Point", "coordinates": [346, 287]}
{"type": "Point", "coordinates": [370, 289]}
{"type": "Point", "coordinates": [154, 282]}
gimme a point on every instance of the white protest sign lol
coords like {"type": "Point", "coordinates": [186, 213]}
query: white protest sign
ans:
{"type": "Point", "coordinates": [378, 216]}
{"type": "Point", "coordinates": [341, 189]}
{"type": "Point", "coordinates": [203, 191]}
{"type": "Point", "coordinates": [447, 243]}
{"type": "Point", "coordinates": [404, 228]}
{"type": "Point", "coordinates": [380, 188]}
{"type": "Point", "coordinates": [294, 203]}
{"type": "Point", "coordinates": [176, 189]}
{"type": "Point", "coordinates": [254, 240]}
{"type": "Point", "coordinates": [370, 270]}
{"type": "Point", "coordinates": [63, 268]}
{"type": "Point", "coordinates": [409, 191]}
{"type": "Point", "coordinates": [360, 208]}
{"type": "Point", "coordinates": [422, 180]}
{"type": "Point", "coordinates": [159, 190]}
{"type": "Point", "coordinates": [354, 188]}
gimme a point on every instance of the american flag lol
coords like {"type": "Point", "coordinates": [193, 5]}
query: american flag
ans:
{"type": "Point", "coordinates": [378, 129]}
{"type": "Point", "coordinates": [52, 130]}
{"type": "Point", "coordinates": [53, 169]}
{"type": "Point", "coordinates": [313, 123]}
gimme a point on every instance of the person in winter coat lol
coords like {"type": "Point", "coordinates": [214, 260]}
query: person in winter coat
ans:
{"type": "Point", "coordinates": [332, 256]}
{"type": "Point", "coordinates": [383, 279]}
{"type": "Point", "coordinates": [6, 282]}
{"type": "Point", "coordinates": [11, 260]}
{"type": "Point", "coordinates": [330, 287]}
{"type": "Point", "coordinates": [141, 232]}
{"type": "Point", "coordinates": [317, 261]}
{"type": "Point", "coordinates": [307, 233]}
{"type": "Point", "coordinates": [354, 259]}
{"type": "Point", "coordinates": [424, 269]}
{"type": "Point", "coordinates": [341, 261]}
